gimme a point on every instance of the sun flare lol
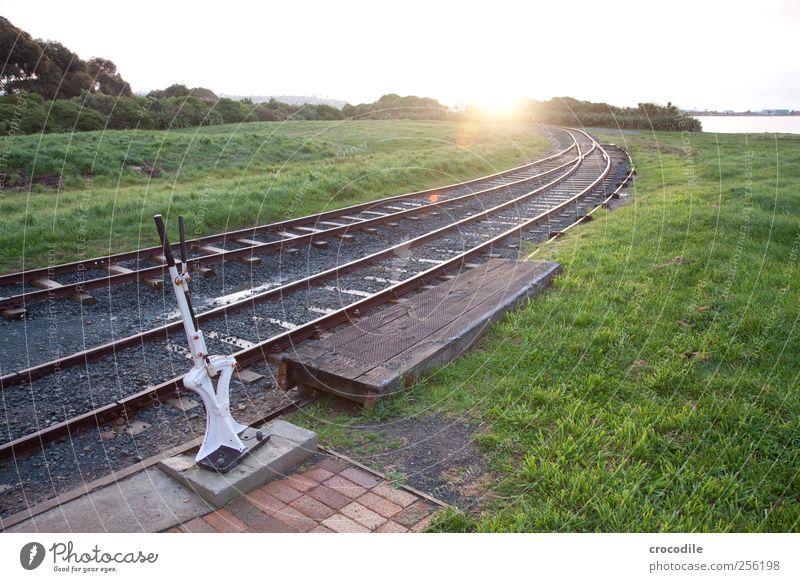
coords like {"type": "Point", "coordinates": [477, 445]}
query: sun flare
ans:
{"type": "Point", "coordinates": [498, 104]}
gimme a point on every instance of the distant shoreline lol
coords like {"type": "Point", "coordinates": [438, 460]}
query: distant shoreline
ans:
{"type": "Point", "coordinates": [750, 123]}
{"type": "Point", "coordinates": [737, 115]}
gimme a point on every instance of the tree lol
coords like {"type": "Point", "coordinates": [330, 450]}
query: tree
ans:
{"type": "Point", "coordinates": [20, 54]}
{"type": "Point", "coordinates": [233, 111]}
{"type": "Point", "coordinates": [180, 90]}
{"type": "Point", "coordinates": [393, 106]}
{"type": "Point", "coordinates": [174, 90]}
{"type": "Point", "coordinates": [205, 94]}
{"type": "Point", "coordinates": [106, 78]}
{"type": "Point", "coordinates": [61, 75]}
{"type": "Point", "coordinates": [51, 69]}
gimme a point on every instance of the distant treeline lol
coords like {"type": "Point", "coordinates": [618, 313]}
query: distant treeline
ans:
{"type": "Point", "coordinates": [571, 112]}
{"type": "Point", "coordinates": [396, 107]}
{"type": "Point", "coordinates": [46, 88]}
{"type": "Point", "coordinates": [179, 107]}
{"type": "Point", "coordinates": [27, 111]}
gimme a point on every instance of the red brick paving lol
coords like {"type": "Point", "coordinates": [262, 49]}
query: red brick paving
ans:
{"type": "Point", "coordinates": [282, 491]}
{"type": "Point", "coordinates": [362, 515]}
{"type": "Point", "coordinates": [398, 496]}
{"type": "Point", "coordinates": [391, 527]}
{"type": "Point", "coordinates": [333, 464]}
{"type": "Point", "coordinates": [413, 513]}
{"type": "Point", "coordinates": [224, 521]}
{"type": "Point", "coordinates": [341, 524]}
{"type": "Point", "coordinates": [319, 474]}
{"type": "Point", "coordinates": [300, 482]}
{"type": "Point", "coordinates": [198, 525]}
{"type": "Point", "coordinates": [329, 497]}
{"type": "Point", "coordinates": [332, 496]}
{"type": "Point", "coordinates": [295, 520]}
{"type": "Point", "coordinates": [423, 524]}
{"type": "Point", "coordinates": [256, 519]}
{"type": "Point", "coordinates": [378, 504]}
{"type": "Point", "coordinates": [360, 477]}
{"type": "Point", "coordinates": [345, 487]}
{"type": "Point", "coordinates": [312, 508]}
{"type": "Point", "coordinates": [264, 501]}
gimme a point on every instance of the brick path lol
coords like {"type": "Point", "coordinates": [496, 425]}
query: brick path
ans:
{"type": "Point", "coordinates": [330, 496]}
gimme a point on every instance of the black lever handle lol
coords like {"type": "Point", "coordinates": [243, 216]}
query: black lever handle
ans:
{"type": "Point", "coordinates": [182, 232]}
{"type": "Point", "coordinates": [162, 232]}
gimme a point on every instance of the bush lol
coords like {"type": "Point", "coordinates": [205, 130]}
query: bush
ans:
{"type": "Point", "coordinates": [178, 106]}
{"type": "Point", "coordinates": [123, 112]}
{"type": "Point", "coordinates": [70, 115]}
{"type": "Point", "coordinates": [572, 112]}
{"type": "Point", "coordinates": [393, 106]}
{"type": "Point", "coordinates": [177, 112]}
{"type": "Point", "coordinates": [233, 111]}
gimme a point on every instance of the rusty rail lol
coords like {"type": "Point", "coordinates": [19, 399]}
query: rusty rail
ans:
{"type": "Point", "coordinates": [84, 356]}
{"type": "Point", "coordinates": [259, 352]}
{"type": "Point", "coordinates": [20, 277]}
{"type": "Point", "coordinates": [252, 250]}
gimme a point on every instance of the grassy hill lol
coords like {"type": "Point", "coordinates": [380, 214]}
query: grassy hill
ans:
{"type": "Point", "coordinates": [71, 196]}
{"type": "Point", "coordinates": [655, 387]}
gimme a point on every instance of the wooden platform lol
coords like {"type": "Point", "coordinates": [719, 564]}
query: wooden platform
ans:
{"type": "Point", "coordinates": [386, 352]}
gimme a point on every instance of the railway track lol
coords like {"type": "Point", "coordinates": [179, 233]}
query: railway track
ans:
{"type": "Point", "coordinates": [466, 205]}
{"type": "Point", "coordinates": [73, 280]}
{"type": "Point", "coordinates": [556, 193]}
{"type": "Point", "coordinates": [108, 323]}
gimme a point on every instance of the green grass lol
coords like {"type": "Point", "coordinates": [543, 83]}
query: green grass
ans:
{"type": "Point", "coordinates": [224, 177]}
{"type": "Point", "coordinates": [655, 387]}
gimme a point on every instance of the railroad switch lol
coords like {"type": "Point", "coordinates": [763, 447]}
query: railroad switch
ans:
{"type": "Point", "coordinates": [226, 441]}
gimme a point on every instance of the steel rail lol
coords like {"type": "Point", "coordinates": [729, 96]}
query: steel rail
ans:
{"type": "Point", "coordinates": [259, 352]}
{"type": "Point", "coordinates": [41, 295]}
{"type": "Point", "coordinates": [32, 373]}
{"type": "Point", "coordinates": [93, 263]}
{"type": "Point", "coordinates": [604, 204]}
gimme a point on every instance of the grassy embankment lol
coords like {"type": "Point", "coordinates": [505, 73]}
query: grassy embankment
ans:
{"type": "Point", "coordinates": [224, 177]}
{"type": "Point", "coordinates": [655, 387]}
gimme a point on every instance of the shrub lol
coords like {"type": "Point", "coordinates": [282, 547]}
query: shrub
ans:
{"type": "Point", "coordinates": [70, 115]}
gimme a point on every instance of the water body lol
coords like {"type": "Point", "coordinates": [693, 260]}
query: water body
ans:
{"type": "Point", "coordinates": [750, 123]}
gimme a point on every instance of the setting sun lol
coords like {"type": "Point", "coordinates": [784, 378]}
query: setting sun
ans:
{"type": "Point", "coordinates": [497, 104]}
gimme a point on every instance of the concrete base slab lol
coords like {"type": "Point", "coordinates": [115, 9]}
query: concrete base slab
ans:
{"type": "Point", "coordinates": [183, 403]}
{"type": "Point", "coordinates": [83, 298]}
{"type": "Point", "coordinates": [248, 376]}
{"type": "Point", "coordinates": [137, 427]}
{"type": "Point", "coordinates": [288, 445]}
{"type": "Point", "coordinates": [145, 502]}
{"type": "Point", "coordinates": [16, 313]}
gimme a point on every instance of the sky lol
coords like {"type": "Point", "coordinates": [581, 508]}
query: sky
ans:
{"type": "Point", "coordinates": [697, 54]}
